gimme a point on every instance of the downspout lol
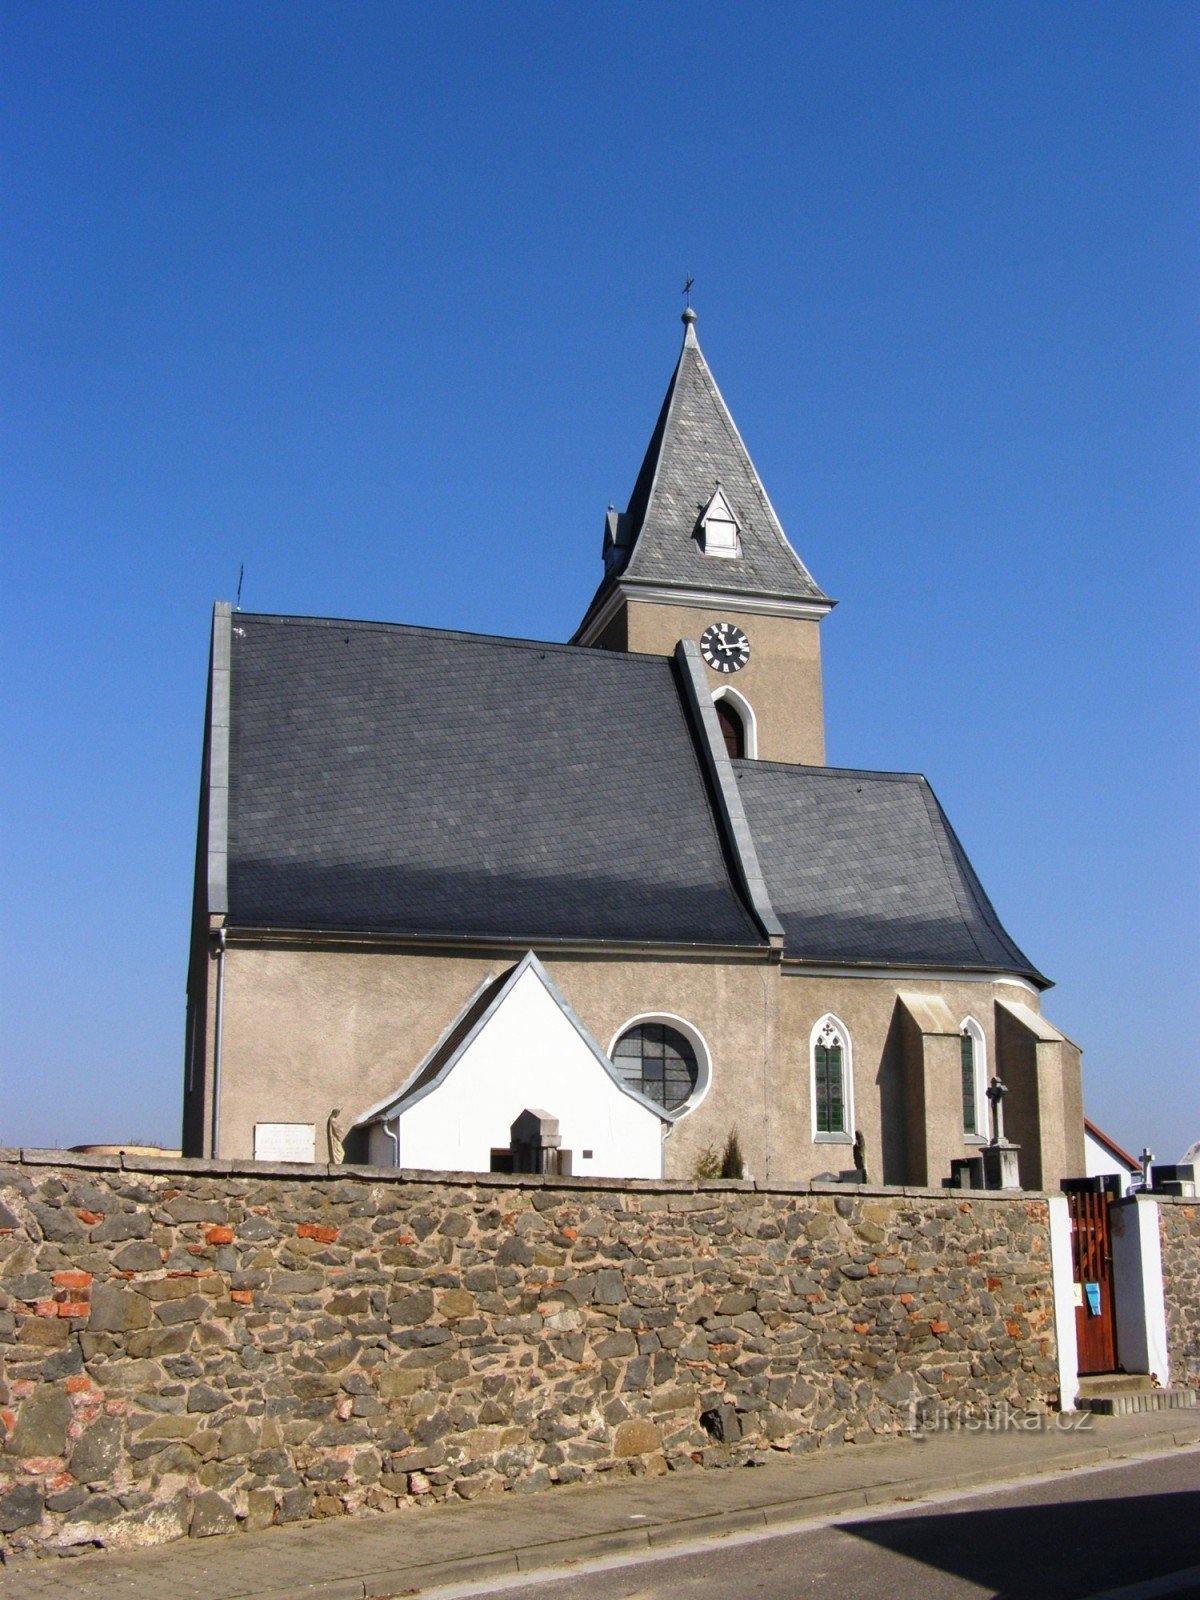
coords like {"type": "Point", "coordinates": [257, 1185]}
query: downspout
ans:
{"type": "Point", "coordinates": [218, 1018]}
{"type": "Point", "coordinates": [394, 1136]}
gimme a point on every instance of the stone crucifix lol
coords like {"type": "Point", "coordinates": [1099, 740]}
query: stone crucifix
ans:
{"type": "Point", "coordinates": [996, 1090]}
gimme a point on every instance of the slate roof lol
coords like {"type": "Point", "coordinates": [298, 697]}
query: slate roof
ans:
{"type": "Point", "coordinates": [402, 780]}
{"type": "Point", "coordinates": [694, 446]}
{"type": "Point", "coordinates": [863, 867]}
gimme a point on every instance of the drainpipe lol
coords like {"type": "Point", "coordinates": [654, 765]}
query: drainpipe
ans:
{"type": "Point", "coordinates": [218, 1018]}
{"type": "Point", "coordinates": [394, 1136]}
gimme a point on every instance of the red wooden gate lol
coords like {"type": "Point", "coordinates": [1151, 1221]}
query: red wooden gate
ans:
{"type": "Point", "coordinates": [1091, 1256]}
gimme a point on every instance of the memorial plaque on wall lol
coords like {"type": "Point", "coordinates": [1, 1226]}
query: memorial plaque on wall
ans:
{"type": "Point", "coordinates": [284, 1141]}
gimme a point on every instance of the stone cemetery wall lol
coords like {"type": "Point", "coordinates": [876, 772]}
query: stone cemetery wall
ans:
{"type": "Point", "coordinates": [198, 1347]}
{"type": "Point", "coordinates": [1179, 1231]}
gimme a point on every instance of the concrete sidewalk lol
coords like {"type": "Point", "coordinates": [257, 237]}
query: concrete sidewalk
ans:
{"type": "Point", "coordinates": [405, 1552]}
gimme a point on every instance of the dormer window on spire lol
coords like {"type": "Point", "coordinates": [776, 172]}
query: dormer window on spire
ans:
{"type": "Point", "coordinates": [718, 527]}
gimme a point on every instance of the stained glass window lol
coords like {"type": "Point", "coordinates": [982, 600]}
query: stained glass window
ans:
{"type": "Point", "coordinates": [970, 1121]}
{"type": "Point", "coordinates": [831, 1110]}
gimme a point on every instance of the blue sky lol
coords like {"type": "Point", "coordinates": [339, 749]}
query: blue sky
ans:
{"type": "Point", "coordinates": [380, 300]}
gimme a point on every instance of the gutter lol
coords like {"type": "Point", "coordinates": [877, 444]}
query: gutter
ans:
{"type": "Point", "coordinates": [493, 944]}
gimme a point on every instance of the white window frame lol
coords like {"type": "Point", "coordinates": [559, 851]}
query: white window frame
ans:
{"type": "Point", "coordinates": [831, 1022]}
{"type": "Point", "coordinates": [698, 1043]}
{"type": "Point", "coordinates": [745, 711]}
{"type": "Point", "coordinates": [982, 1132]}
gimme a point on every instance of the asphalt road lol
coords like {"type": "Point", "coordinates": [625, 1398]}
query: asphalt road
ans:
{"type": "Point", "coordinates": [1132, 1528]}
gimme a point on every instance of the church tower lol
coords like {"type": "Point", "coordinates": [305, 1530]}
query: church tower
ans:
{"type": "Point", "coordinates": [700, 554]}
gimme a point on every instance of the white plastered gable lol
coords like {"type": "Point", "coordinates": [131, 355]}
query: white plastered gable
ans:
{"type": "Point", "coordinates": [719, 527]}
{"type": "Point", "coordinates": [527, 1049]}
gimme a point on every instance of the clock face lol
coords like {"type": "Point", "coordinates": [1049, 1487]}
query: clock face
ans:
{"type": "Point", "coordinates": [725, 647]}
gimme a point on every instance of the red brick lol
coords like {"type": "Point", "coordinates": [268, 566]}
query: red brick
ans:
{"type": "Point", "coordinates": [1014, 1329]}
{"type": "Point", "coordinates": [939, 1327]}
{"type": "Point", "coordinates": [72, 1280]}
{"type": "Point", "coordinates": [78, 1382]}
{"type": "Point", "coordinates": [314, 1230]}
{"type": "Point", "coordinates": [242, 1297]}
{"type": "Point", "coordinates": [90, 1217]}
{"type": "Point", "coordinates": [73, 1308]}
{"type": "Point", "coordinates": [219, 1235]}
{"type": "Point", "coordinates": [46, 1308]}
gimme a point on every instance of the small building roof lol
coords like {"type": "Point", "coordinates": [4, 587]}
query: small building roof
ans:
{"type": "Point", "coordinates": [1113, 1148]}
{"type": "Point", "coordinates": [864, 868]}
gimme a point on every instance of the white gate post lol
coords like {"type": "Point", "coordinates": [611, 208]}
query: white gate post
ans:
{"type": "Point", "coordinates": [1063, 1278]}
{"type": "Point", "coordinates": [1138, 1287]}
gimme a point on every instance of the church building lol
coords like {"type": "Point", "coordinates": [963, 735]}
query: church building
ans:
{"type": "Point", "coordinates": [467, 902]}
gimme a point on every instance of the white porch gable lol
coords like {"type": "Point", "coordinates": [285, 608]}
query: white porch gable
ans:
{"type": "Point", "coordinates": [526, 1048]}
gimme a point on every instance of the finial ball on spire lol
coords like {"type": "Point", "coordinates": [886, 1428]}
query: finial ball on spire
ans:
{"type": "Point", "coordinates": [688, 317]}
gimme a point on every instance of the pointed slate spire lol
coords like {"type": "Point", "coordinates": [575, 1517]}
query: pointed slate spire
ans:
{"type": "Point", "coordinates": [695, 447]}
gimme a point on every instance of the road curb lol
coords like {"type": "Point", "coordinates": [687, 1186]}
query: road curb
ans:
{"type": "Point", "coordinates": [626, 1541]}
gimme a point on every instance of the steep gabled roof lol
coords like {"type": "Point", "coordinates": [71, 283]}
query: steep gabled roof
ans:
{"type": "Point", "coordinates": [695, 446]}
{"type": "Point", "coordinates": [406, 781]}
{"type": "Point", "coordinates": [864, 868]}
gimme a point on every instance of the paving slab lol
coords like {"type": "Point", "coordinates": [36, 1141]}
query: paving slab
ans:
{"type": "Point", "coordinates": [407, 1551]}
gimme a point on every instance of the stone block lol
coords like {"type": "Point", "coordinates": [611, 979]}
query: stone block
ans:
{"type": "Point", "coordinates": [97, 1451]}
{"type": "Point", "coordinates": [41, 1425]}
{"type": "Point", "coordinates": [21, 1507]}
{"type": "Point", "coordinates": [636, 1437]}
{"type": "Point", "coordinates": [211, 1513]}
{"type": "Point", "coordinates": [117, 1310]}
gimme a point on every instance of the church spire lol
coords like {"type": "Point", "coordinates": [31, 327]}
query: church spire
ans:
{"type": "Point", "coordinates": [696, 453]}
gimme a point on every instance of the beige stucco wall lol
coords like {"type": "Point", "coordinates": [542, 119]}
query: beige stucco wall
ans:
{"type": "Point", "coordinates": [781, 680]}
{"type": "Point", "coordinates": [892, 1082]}
{"type": "Point", "coordinates": [308, 1029]}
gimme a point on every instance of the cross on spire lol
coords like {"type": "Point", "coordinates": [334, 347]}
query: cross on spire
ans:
{"type": "Point", "coordinates": [687, 292]}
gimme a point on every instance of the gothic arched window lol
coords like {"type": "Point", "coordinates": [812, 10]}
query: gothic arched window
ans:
{"type": "Point", "coordinates": [732, 730]}
{"type": "Point", "coordinates": [832, 1081]}
{"type": "Point", "coordinates": [738, 723]}
{"type": "Point", "coordinates": [973, 1048]}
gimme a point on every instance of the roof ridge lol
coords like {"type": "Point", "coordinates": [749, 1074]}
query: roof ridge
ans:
{"type": "Point", "coordinates": [832, 772]}
{"type": "Point", "coordinates": [659, 437]}
{"type": "Point", "coordinates": [518, 641]}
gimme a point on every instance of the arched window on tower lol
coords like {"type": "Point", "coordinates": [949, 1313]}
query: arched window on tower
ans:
{"type": "Point", "coordinates": [739, 726]}
{"type": "Point", "coordinates": [732, 729]}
